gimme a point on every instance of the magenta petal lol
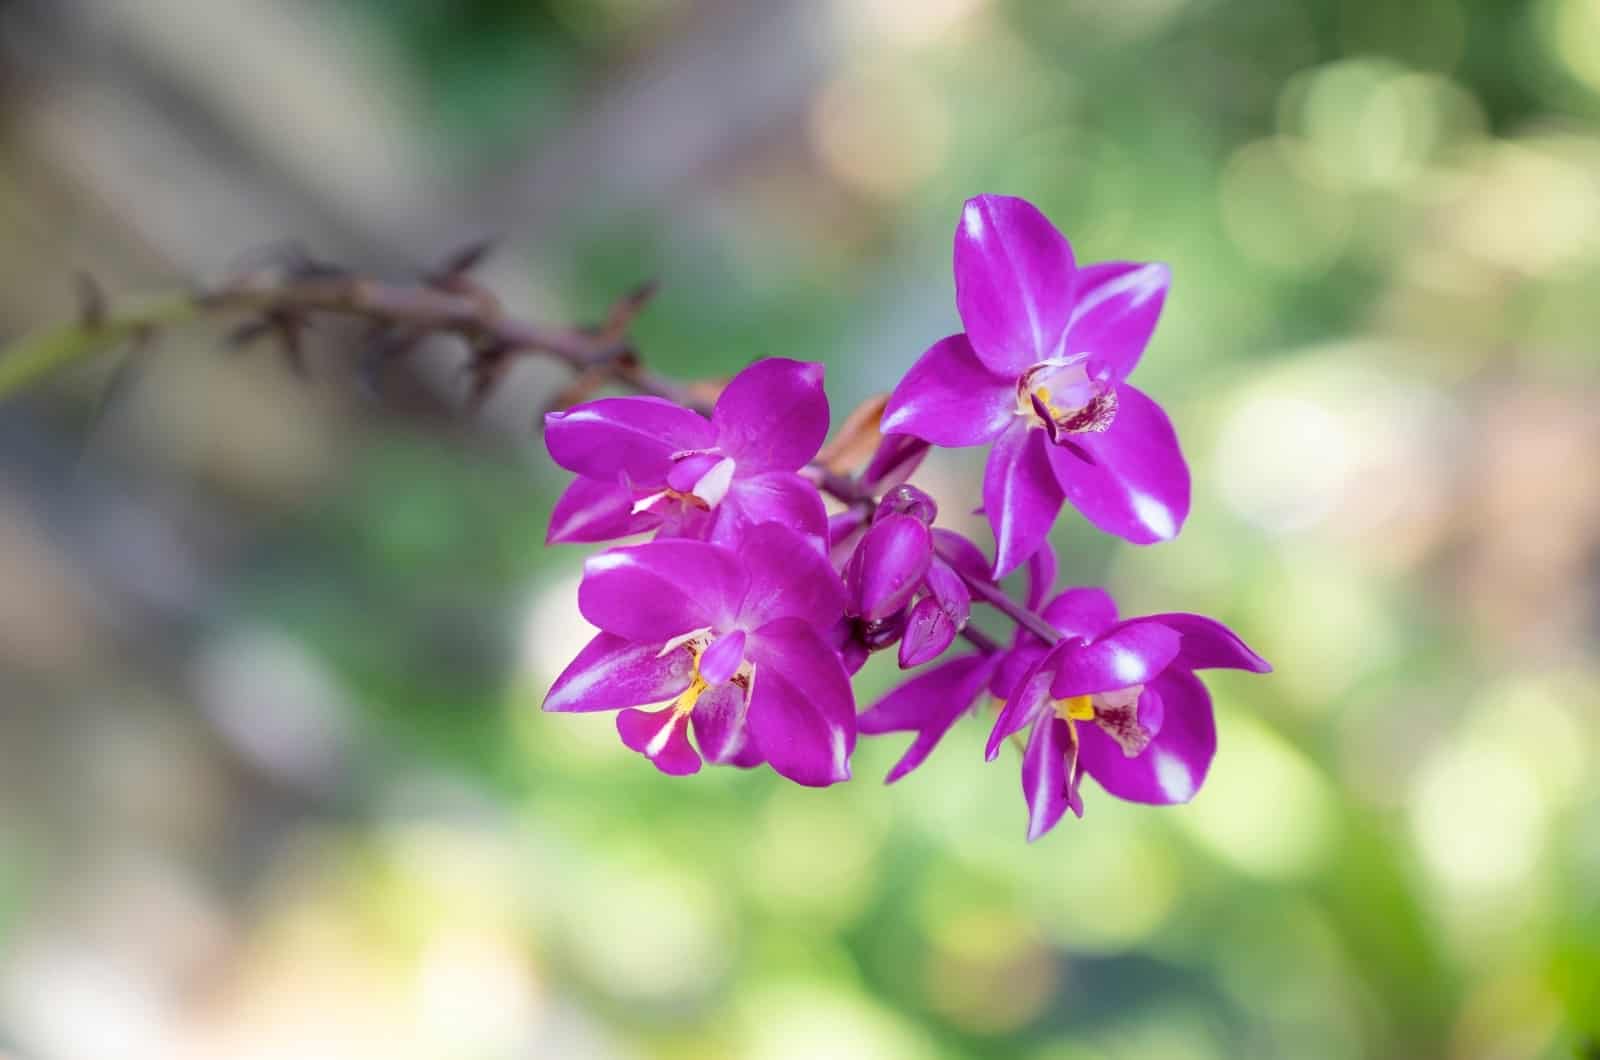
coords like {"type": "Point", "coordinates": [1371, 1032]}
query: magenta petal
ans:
{"type": "Point", "coordinates": [1208, 644]}
{"type": "Point", "coordinates": [1027, 699]}
{"type": "Point", "coordinates": [929, 631]}
{"type": "Point", "coordinates": [720, 729]}
{"type": "Point", "coordinates": [1132, 654]}
{"type": "Point", "coordinates": [1117, 308]}
{"type": "Point", "coordinates": [963, 556]}
{"type": "Point", "coordinates": [1174, 765]}
{"type": "Point", "coordinates": [1041, 574]}
{"type": "Point", "coordinates": [1020, 495]}
{"type": "Point", "coordinates": [1085, 613]}
{"type": "Point", "coordinates": [630, 438]}
{"type": "Point", "coordinates": [888, 566]}
{"type": "Point", "coordinates": [611, 672]}
{"type": "Point", "coordinates": [657, 591]}
{"type": "Point", "coordinates": [801, 711]}
{"type": "Point", "coordinates": [595, 510]}
{"type": "Point", "coordinates": [949, 398]}
{"type": "Point", "coordinates": [1049, 778]}
{"type": "Point", "coordinates": [1015, 664]}
{"type": "Point", "coordinates": [951, 592]}
{"type": "Point", "coordinates": [781, 497]}
{"type": "Point", "coordinates": [1014, 282]}
{"type": "Point", "coordinates": [773, 416]}
{"type": "Point", "coordinates": [789, 578]}
{"type": "Point", "coordinates": [1138, 486]}
{"type": "Point", "coordinates": [722, 658]}
{"type": "Point", "coordinates": [928, 704]}
{"type": "Point", "coordinates": [661, 736]}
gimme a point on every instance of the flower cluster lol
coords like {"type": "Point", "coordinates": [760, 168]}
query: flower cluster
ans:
{"type": "Point", "coordinates": [751, 608]}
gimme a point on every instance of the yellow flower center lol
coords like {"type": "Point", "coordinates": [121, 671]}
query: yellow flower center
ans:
{"type": "Point", "coordinates": [1075, 708]}
{"type": "Point", "coordinates": [691, 695]}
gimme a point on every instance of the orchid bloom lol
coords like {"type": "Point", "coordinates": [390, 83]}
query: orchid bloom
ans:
{"type": "Point", "coordinates": [1040, 373]}
{"type": "Point", "coordinates": [1118, 701]}
{"type": "Point", "coordinates": [731, 640]}
{"type": "Point", "coordinates": [644, 463]}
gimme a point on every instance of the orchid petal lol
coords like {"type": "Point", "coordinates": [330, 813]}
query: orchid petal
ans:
{"type": "Point", "coordinates": [1085, 613]}
{"type": "Point", "coordinates": [720, 729]}
{"type": "Point", "coordinates": [596, 510]}
{"type": "Point", "coordinates": [1014, 282]}
{"type": "Point", "coordinates": [928, 704]}
{"type": "Point", "coordinates": [1174, 765]}
{"type": "Point", "coordinates": [1041, 573]}
{"type": "Point", "coordinates": [964, 557]}
{"type": "Point", "coordinates": [801, 713]}
{"type": "Point", "coordinates": [690, 469]}
{"type": "Point", "coordinates": [929, 631]}
{"type": "Point", "coordinates": [1049, 774]}
{"type": "Point", "coordinates": [949, 398]}
{"type": "Point", "coordinates": [630, 438]}
{"type": "Point", "coordinates": [1208, 644]}
{"type": "Point", "coordinates": [951, 592]}
{"type": "Point", "coordinates": [1027, 699]}
{"type": "Point", "coordinates": [1020, 495]}
{"type": "Point", "coordinates": [781, 497]}
{"type": "Point", "coordinates": [1138, 485]}
{"type": "Point", "coordinates": [722, 658]}
{"type": "Point", "coordinates": [663, 589]}
{"type": "Point", "coordinates": [1118, 304]}
{"type": "Point", "coordinates": [773, 416]}
{"type": "Point", "coordinates": [611, 672]}
{"type": "Point", "coordinates": [1015, 664]}
{"type": "Point", "coordinates": [661, 736]}
{"type": "Point", "coordinates": [1132, 654]}
{"type": "Point", "coordinates": [789, 578]}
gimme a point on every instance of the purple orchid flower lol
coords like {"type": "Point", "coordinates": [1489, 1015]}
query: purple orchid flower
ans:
{"type": "Point", "coordinates": [1041, 374]}
{"type": "Point", "coordinates": [732, 640]}
{"type": "Point", "coordinates": [1119, 701]}
{"type": "Point", "coordinates": [645, 464]}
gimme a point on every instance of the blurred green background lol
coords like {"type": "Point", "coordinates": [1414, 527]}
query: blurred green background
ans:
{"type": "Point", "coordinates": [273, 779]}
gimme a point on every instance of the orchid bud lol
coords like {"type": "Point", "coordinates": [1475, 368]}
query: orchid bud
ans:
{"type": "Point", "coordinates": [907, 500]}
{"type": "Point", "coordinates": [888, 566]}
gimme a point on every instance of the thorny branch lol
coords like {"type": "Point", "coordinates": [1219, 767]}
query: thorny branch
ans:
{"type": "Point", "coordinates": [280, 299]}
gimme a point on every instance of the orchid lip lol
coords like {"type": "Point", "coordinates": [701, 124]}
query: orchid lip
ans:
{"type": "Point", "coordinates": [1063, 397]}
{"type": "Point", "coordinates": [1115, 712]}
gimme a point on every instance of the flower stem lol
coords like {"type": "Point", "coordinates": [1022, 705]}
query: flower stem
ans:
{"type": "Point", "coordinates": [996, 597]}
{"type": "Point", "coordinates": [448, 303]}
{"type": "Point", "coordinates": [980, 640]}
{"type": "Point", "coordinates": [36, 355]}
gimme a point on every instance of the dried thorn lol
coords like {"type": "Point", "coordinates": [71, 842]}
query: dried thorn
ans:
{"type": "Point", "coordinates": [459, 262]}
{"type": "Point", "coordinates": [485, 371]}
{"type": "Point", "coordinates": [625, 310]}
{"type": "Point", "coordinates": [247, 333]}
{"type": "Point", "coordinates": [290, 330]}
{"type": "Point", "coordinates": [309, 268]}
{"type": "Point", "coordinates": [93, 305]}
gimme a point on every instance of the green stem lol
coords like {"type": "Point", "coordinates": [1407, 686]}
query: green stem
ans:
{"type": "Point", "coordinates": [26, 360]}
